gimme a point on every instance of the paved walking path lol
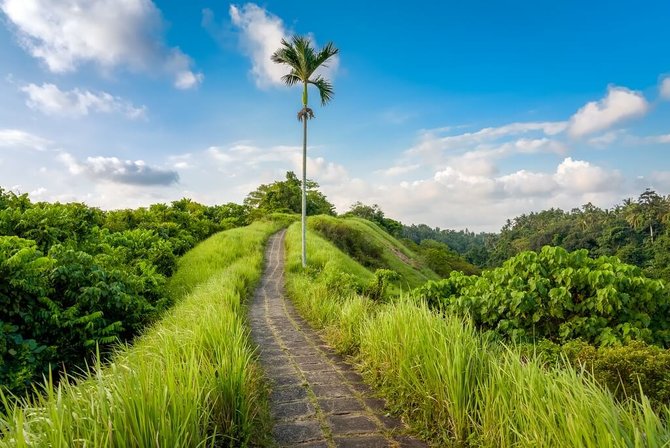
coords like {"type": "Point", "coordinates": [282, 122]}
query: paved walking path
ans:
{"type": "Point", "coordinates": [317, 400]}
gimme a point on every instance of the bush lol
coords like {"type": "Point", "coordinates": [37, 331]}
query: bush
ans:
{"type": "Point", "coordinates": [560, 296]}
{"type": "Point", "coordinates": [626, 370]}
{"type": "Point", "coordinates": [377, 286]}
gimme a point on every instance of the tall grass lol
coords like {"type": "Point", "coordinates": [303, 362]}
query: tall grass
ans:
{"type": "Point", "coordinates": [455, 386]}
{"type": "Point", "coordinates": [189, 381]}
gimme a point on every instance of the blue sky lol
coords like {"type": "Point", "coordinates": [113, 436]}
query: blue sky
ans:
{"type": "Point", "coordinates": [456, 114]}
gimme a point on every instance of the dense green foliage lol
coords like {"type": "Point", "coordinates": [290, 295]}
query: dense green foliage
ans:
{"type": "Point", "coordinates": [73, 277]}
{"type": "Point", "coordinates": [635, 231]}
{"type": "Point", "coordinates": [627, 370]}
{"type": "Point", "coordinates": [440, 258]}
{"type": "Point", "coordinates": [375, 214]}
{"type": "Point", "coordinates": [190, 380]}
{"type": "Point", "coordinates": [561, 296]}
{"type": "Point", "coordinates": [433, 254]}
{"type": "Point", "coordinates": [286, 197]}
{"type": "Point", "coordinates": [474, 247]}
{"type": "Point", "coordinates": [452, 384]}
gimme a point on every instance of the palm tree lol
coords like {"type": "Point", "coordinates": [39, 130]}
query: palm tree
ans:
{"type": "Point", "coordinates": [304, 60]}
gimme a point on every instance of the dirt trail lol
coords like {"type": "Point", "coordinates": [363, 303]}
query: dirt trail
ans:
{"type": "Point", "coordinates": [317, 400]}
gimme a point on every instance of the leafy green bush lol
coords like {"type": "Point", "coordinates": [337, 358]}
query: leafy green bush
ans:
{"type": "Point", "coordinates": [626, 370]}
{"type": "Point", "coordinates": [560, 296]}
{"type": "Point", "coordinates": [375, 289]}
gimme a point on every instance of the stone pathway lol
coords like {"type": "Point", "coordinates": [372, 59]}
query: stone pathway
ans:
{"type": "Point", "coordinates": [317, 400]}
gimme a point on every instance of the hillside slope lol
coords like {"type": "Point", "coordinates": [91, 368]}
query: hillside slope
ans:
{"type": "Point", "coordinates": [370, 246]}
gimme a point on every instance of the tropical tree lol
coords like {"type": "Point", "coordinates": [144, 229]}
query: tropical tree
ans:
{"type": "Point", "coordinates": [303, 61]}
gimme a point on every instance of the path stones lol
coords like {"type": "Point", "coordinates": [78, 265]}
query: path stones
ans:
{"type": "Point", "coordinates": [317, 400]}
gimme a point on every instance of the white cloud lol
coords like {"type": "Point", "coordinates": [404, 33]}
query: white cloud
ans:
{"type": "Point", "coordinates": [618, 105]}
{"type": "Point", "coordinates": [15, 138]}
{"type": "Point", "coordinates": [181, 161]}
{"type": "Point", "coordinates": [320, 170]}
{"type": "Point", "coordinates": [659, 181]}
{"type": "Point", "coordinates": [38, 193]}
{"type": "Point", "coordinates": [261, 35]}
{"type": "Point", "coordinates": [456, 181]}
{"type": "Point", "coordinates": [243, 154]}
{"type": "Point", "coordinates": [115, 170]}
{"type": "Point", "coordinates": [187, 79]}
{"type": "Point", "coordinates": [431, 144]}
{"type": "Point", "coordinates": [397, 170]}
{"type": "Point", "coordinates": [455, 199]}
{"type": "Point", "coordinates": [108, 33]}
{"type": "Point", "coordinates": [607, 138]}
{"type": "Point", "coordinates": [664, 88]}
{"type": "Point", "coordinates": [527, 184]}
{"type": "Point", "coordinates": [583, 177]}
{"type": "Point", "coordinates": [660, 138]}
{"type": "Point", "coordinates": [51, 100]}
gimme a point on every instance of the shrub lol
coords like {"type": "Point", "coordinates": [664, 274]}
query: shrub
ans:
{"type": "Point", "coordinates": [377, 286]}
{"type": "Point", "coordinates": [626, 370]}
{"type": "Point", "coordinates": [560, 296]}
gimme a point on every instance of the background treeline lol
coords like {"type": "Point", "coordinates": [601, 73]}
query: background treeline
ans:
{"type": "Point", "coordinates": [73, 277]}
{"type": "Point", "coordinates": [635, 231]}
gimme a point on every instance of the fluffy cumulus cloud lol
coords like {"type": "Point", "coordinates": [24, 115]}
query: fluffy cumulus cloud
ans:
{"type": "Point", "coordinates": [18, 139]}
{"type": "Point", "coordinates": [455, 199]}
{"type": "Point", "coordinates": [524, 183]}
{"type": "Point", "coordinates": [618, 105]}
{"type": "Point", "coordinates": [51, 100]}
{"type": "Point", "coordinates": [583, 177]}
{"type": "Point", "coordinates": [108, 33]}
{"type": "Point", "coordinates": [261, 33]}
{"type": "Point", "coordinates": [115, 170]}
{"type": "Point", "coordinates": [665, 88]}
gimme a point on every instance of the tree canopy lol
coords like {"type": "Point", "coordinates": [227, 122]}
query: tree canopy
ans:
{"type": "Point", "coordinates": [283, 196]}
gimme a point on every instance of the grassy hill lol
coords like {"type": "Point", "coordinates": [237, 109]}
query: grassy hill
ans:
{"type": "Point", "coordinates": [372, 247]}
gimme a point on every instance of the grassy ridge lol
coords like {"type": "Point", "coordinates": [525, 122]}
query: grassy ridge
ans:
{"type": "Point", "coordinates": [454, 386]}
{"type": "Point", "coordinates": [395, 255]}
{"type": "Point", "coordinates": [188, 381]}
{"type": "Point", "coordinates": [391, 253]}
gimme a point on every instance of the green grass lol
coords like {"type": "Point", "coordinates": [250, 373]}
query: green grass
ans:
{"type": "Point", "coordinates": [189, 381]}
{"type": "Point", "coordinates": [454, 386]}
{"type": "Point", "coordinates": [394, 254]}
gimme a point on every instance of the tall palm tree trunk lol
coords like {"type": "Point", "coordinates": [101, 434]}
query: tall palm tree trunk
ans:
{"type": "Point", "coordinates": [304, 180]}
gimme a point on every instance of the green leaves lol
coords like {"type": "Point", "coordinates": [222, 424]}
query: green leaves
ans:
{"type": "Point", "coordinates": [73, 277]}
{"type": "Point", "coordinates": [560, 295]}
{"type": "Point", "coordinates": [303, 60]}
